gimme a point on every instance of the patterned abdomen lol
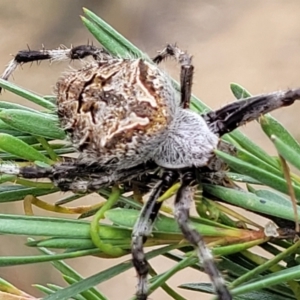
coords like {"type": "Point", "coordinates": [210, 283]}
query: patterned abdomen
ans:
{"type": "Point", "coordinates": [116, 112]}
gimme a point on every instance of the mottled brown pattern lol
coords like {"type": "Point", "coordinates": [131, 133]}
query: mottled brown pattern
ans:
{"type": "Point", "coordinates": [114, 109]}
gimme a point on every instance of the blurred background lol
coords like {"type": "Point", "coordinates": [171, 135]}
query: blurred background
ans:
{"type": "Point", "coordinates": [254, 43]}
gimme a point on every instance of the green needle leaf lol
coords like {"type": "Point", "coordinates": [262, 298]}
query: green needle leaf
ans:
{"type": "Point", "coordinates": [92, 281]}
{"type": "Point", "coordinates": [19, 148]}
{"type": "Point", "coordinates": [266, 177]}
{"type": "Point", "coordinates": [252, 202]}
{"type": "Point", "coordinates": [26, 94]}
{"type": "Point", "coordinates": [38, 124]}
{"type": "Point", "coordinates": [289, 274]}
{"type": "Point", "coordinates": [109, 38]}
{"type": "Point", "coordinates": [239, 92]}
{"type": "Point", "coordinates": [272, 127]}
{"type": "Point", "coordinates": [286, 151]}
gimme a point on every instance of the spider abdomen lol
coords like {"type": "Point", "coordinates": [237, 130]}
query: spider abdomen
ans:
{"type": "Point", "coordinates": [116, 112]}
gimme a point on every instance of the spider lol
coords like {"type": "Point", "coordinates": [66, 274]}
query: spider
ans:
{"type": "Point", "coordinates": [126, 119]}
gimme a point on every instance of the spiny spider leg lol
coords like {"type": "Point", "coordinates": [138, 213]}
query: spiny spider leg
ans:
{"type": "Point", "coordinates": [76, 176]}
{"type": "Point", "coordinates": [237, 113]}
{"type": "Point", "coordinates": [78, 52]}
{"type": "Point", "coordinates": [100, 180]}
{"type": "Point", "coordinates": [183, 201]}
{"type": "Point", "coordinates": [186, 73]}
{"type": "Point", "coordinates": [143, 228]}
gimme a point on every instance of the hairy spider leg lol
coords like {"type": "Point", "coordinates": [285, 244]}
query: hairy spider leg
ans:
{"type": "Point", "coordinates": [186, 72]}
{"type": "Point", "coordinates": [240, 112]}
{"type": "Point", "coordinates": [91, 182]}
{"type": "Point", "coordinates": [62, 53]}
{"type": "Point", "coordinates": [143, 228]}
{"type": "Point", "coordinates": [184, 197]}
{"type": "Point", "coordinates": [76, 176]}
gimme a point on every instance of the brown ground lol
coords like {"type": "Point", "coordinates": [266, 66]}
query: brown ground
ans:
{"type": "Point", "coordinates": [255, 43]}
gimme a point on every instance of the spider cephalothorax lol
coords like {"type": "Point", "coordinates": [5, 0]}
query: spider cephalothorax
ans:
{"type": "Point", "coordinates": [126, 119]}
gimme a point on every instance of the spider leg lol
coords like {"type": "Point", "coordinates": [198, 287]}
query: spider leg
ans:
{"type": "Point", "coordinates": [143, 228]}
{"type": "Point", "coordinates": [93, 182]}
{"type": "Point", "coordinates": [76, 176]}
{"type": "Point", "coordinates": [29, 172]}
{"type": "Point", "coordinates": [62, 53]}
{"type": "Point", "coordinates": [186, 73]}
{"type": "Point", "coordinates": [183, 200]}
{"type": "Point", "coordinates": [237, 113]}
